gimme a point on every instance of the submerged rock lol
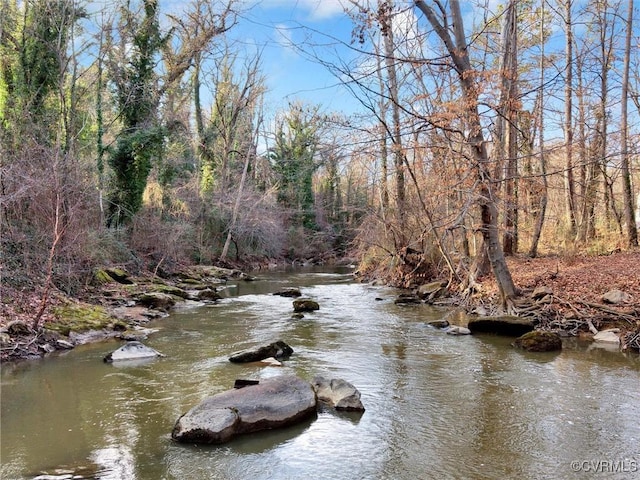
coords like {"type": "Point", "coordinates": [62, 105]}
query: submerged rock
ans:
{"type": "Point", "coordinates": [442, 323]}
{"type": "Point", "coordinates": [407, 299]}
{"type": "Point", "coordinates": [289, 292]}
{"type": "Point", "coordinates": [132, 351]}
{"type": "Point", "coordinates": [273, 403]}
{"type": "Point", "coordinates": [305, 305]}
{"type": "Point", "coordinates": [457, 330]}
{"type": "Point", "coordinates": [539, 341]}
{"type": "Point", "coordinates": [278, 349]}
{"type": "Point", "coordinates": [338, 393]}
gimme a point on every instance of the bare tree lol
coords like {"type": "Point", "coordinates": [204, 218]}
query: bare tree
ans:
{"type": "Point", "coordinates": [568, 117]}
{"type": "Point", "coordinates": [508, 128]}
{"type": "Point", "coordinates": [445, 24]}
{"type": "Point", "coordinates": [533, 249]}
{"type": "Point", "coordinates": [632, 231]}
{"type": "Point", "coordinates": [385, 17]}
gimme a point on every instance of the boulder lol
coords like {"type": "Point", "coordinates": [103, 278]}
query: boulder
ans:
{"type": "Point", "coordinates": [289, 292]}
{"type": "Point", "coordinates": [504, 325]}
{"type": "Point", "coordinates": [273, 403]}
{"type": "Point", "coordinates": [171, 290]}
{"type": "Point", "coordinates": [211, 274]}
{"type": "Point", "coordinates": [119, 275]}
{"type": "Point", "coordinates": [607, 336]}
{"type": "Point", "coordinates": [157, 300]}
{"type": "Point", "coordinates": [278, 349]}
{"type": "Point", "coordinates": [539, 341]}
{"type": "Point", "coordinates": [338, 394]}
{"type": "Point", "coordinates": [431, 291]}
{"type": "Point", "coordinates": [616, 296]}
{"type": "Point", "coordinates": [457, 330]}
{"type": "Point", "coordinates": [132, 351]}
{"type": "Point", "coordinates": [108, 275]}
{"type": "Point", "coordinates": [208, 295]}
{"type": "Point", "coordinates": [305, 305]}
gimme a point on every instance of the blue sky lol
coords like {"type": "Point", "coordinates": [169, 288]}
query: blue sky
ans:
{"type": "Point", "coordinates": [272, 25]}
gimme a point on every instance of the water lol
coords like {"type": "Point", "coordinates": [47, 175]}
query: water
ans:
{"type": "Point", "coordinates": [437, 406]}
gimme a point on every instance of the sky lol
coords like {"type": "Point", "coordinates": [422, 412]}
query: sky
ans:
{"type": "Point", "coordinates": [285, 32]}
{"type": "Point", "coordinates": [273, 26]}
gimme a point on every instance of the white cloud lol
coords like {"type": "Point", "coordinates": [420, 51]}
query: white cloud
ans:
{"type": "Point", "coordinates": [284, 36]}
{"type": "Point", "coordinates": [315, 9]}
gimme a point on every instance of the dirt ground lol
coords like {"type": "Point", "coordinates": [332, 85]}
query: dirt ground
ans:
{"type": "Point", "coordinates": [580, 278]}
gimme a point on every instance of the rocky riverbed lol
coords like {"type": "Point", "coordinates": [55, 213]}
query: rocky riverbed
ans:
{"type": "Point", "coordinates": [569, 295]}
{"type": "Point", "coordinates": [114, 305]}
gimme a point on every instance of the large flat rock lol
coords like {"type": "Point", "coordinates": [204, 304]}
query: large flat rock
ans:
{"type": "Point", "coordinates": [273, 403]}
{"type": "Point", "coordinates": [503, 325]}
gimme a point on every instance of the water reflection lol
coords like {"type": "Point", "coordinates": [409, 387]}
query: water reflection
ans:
{"type": "Point", "coordinates": [114, 463]}
{"type": "Point", "coordinates": [437, 406]}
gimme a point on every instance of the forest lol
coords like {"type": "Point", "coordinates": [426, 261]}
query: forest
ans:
{"type": "Point", "coordinates": [135, 135]}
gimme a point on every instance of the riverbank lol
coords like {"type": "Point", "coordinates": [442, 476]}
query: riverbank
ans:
{"type": "Point", "coordinates": [118, 308]}
{"type": "Point", "coordinates": [577, 286]}
{"type": "Point", "coordinates": [114, 304]}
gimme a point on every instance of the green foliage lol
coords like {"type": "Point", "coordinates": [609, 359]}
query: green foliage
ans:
{"type": "Point", "coordinates": [39, 61]}
{"type": "Point", "coordinates": [131, 162]}
{"type": "Point", "coordinates": [131, 70]}
{"type": "Point", "coordinates": [293, 162]}
{"type": "Point", "coordinates": [33, 60]}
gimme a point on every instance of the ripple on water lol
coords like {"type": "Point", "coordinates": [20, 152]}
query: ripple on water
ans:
{"type": "Point", "coordinates": [437, 406]}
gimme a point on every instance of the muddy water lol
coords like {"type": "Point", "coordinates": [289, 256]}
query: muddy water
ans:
{"type": "Point", "coordinates": [438, 406]}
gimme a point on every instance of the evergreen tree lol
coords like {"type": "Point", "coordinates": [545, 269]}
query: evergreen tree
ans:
{"type": "Point", "coordinates": [131, 70]}
{"type": "Point", "coordinates": [293, 161]}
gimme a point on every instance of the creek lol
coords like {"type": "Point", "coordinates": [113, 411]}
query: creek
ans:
{"type": "Point", "coordinates": [437, 406]}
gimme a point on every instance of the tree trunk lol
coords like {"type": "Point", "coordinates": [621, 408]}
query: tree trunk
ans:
{"type": "Point", "coordinates": [632, 231]}
{"type": "Point", "coordinates": [509, 140]}
{"type": "Point", "coordinates": [384, 156]}
{"type": "Point", "coordinates": [100, 127]}
{"type": "Point", "coordinates": [584, 198]}
{"type": "Point", "coordinates": [458, 52]}
{"type": "Point", "coordinates": [396, 137]}
{"type": "Point", "coordinates": [568, 121]}
{"type": "Point", "coordinates": [537, 232]}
